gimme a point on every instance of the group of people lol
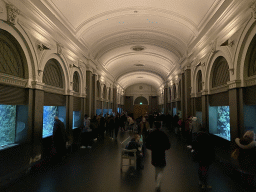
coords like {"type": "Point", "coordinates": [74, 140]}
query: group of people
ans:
{"type": "Point", "coordinates": [198, 140]}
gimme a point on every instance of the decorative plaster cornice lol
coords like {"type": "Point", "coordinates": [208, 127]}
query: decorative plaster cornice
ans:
{"type": "Point", "coordinates": [12, 80]}
{"type": "Point", "coordinates": [1, 9]}
{"type": "Point", "coordinates": [59, 48]}
{"type": "Point", "coordinates": [12, 13]}
{"type": "Point", "coordinates": [234, 84]}
{"type": "Point", "coordinates": [253, 10]}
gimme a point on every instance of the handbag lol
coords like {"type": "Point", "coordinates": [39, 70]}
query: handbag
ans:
{"type": "Point", "coordinates": [235, 154]}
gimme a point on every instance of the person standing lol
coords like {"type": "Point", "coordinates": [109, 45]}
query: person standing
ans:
{"type": "Point", "coordinates": [86, 133]}
{"type": "Point", "coordinates": [158, 142]}
{"type": "Point", "coordinates": [247, 159]}
{"type": "Point", "coordinates": [59, 138]}
{"type": "Point", "coordinates": [204, 154]}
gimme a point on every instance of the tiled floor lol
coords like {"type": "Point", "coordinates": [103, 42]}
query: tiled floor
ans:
{"type": "Point", "coordinates": [98, 170]}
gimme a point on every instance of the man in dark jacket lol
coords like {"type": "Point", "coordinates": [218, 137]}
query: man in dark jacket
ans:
{"type": "Point", "coordinates": [59, 138]}
{"type": "Point", "coordinates": [158, 142]}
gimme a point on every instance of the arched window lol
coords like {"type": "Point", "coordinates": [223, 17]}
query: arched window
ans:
{"type": "Point", "coordinates": [220, 72]}
{"type": "Point", "coordinates": [76, 82]}
{"type": "Point", "coordinates": [53, 74]}
{"type": "Point", "coordinates": [141, 101]}
{"type": "Point", "coordinates": [12, 57]}
{"type": "Point", "coordinates": [199, 81]}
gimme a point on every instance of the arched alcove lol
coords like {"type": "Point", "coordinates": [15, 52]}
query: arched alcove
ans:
{"type": "Point", "coordinates": [53, 74]}
{"type": "Point", "coordinates": [76, 82]}
{"type": "Point", "coordinates": [199, 81]}
{"type": "Point", "coordinates": [12, 58]}
{"type": "Point", "coordinates": [174, 91]}
{"type": "Point", "coordinates": [220, 75]}
{"type": "Point", "coordinates": [141, 101]}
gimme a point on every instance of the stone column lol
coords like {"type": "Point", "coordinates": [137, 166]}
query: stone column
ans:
{"type": "Point", "coordinates": [69, 114]}
{"type": "Point", "coordinates": [165, 100]}
{"type": "Point", "coordinates": [115, 99]}
{"type": "Point", "coordinates": [94, 87]}
{"type": "Point", "coordinates": [182, 97]}
{"type": "Point", "coordinates": [89, 90]}
{"type": "Point", "coordinates": [205, 110]}
{"type": "Point", "coordinates": [187, 82]}
{"type": "Point", "coordinates": [37, 122]}
{"type": "Point", "coordinates": [234, 112]}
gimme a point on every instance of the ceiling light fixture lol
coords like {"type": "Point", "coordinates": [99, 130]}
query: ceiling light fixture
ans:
{"type": "Point", "coordinates": [138, 48]}
{"type": "Point", "coordinates": [139, 65]}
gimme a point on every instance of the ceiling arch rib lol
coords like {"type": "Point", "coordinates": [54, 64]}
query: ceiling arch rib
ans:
{"type": "Point", "coordinates": [139, 57]}
{"type": "Point", "coordinates": [142, 12]}
{"type": "Point", "coordinates": [140, 77]}
{"type": "Point", "coordinates": [123, 24]}
{"type": "Point", "coordinates": [149, 62]}
{"type": "Point", "coordinates": [172, 46]}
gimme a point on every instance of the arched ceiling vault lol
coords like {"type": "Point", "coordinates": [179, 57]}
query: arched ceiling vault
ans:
{"type": "Point", "coordinates": [163, 30]}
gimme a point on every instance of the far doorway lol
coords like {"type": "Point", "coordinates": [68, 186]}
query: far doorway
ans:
{"type": "Point", "coordinates": [140, 110]}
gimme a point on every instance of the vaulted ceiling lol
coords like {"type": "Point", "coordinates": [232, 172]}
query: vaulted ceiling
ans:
{"type": "Point", "coordinates": [135, 41]}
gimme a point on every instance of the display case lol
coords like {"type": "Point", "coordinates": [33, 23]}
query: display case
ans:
{"type": "Point", "coordinates": [219, 121]}
{"type": "Point", "coordinates": [48, 118]}
{"type": "Point", "coordinates": [13, 124]}
{"type": "Point", "coordinates": [77, 122]}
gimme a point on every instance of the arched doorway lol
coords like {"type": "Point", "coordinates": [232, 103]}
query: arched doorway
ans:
{"type": "Point", "coordinates": [140, 107]}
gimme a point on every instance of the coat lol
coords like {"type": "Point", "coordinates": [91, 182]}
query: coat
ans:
{"type": "Point", "coordinates": [203, 149]}
{"type": "Point", "coordinates": [247, 155]}
{"type": "Point", "coordinates": [158, 142]}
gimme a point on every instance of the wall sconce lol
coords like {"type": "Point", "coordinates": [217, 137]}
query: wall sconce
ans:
{"type": "Point", "coordinates": [42, 47]}
{"type": "Point", "coordinates": [40, 72]}
{"type": "Point", "coordinates": [227, 43]}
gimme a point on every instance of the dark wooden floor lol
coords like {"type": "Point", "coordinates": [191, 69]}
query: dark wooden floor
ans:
{"type": "Point", "coordinates": [98, 170]}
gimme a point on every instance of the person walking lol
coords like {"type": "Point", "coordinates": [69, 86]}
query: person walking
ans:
{"type": "Point", "coordinates": [158, 142]}
{"type": "Point", "coordinates": [204, 154]}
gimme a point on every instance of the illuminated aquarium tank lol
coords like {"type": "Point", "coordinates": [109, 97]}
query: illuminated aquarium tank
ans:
{"type": "Point", "coordinates": [48, 118]}
{"type": "Point", "coordinates": [7, 124]}
{"type": "Point", "coordinates": [249, 117]}
{"type": "Point", "coordinates": [13, 124]}
{"type": "Point", "coordinates": [219, 121]}
{"type": "Point", "coordinates": [76, 119]}
{"type": "Point", "coordinates": [98, 111]}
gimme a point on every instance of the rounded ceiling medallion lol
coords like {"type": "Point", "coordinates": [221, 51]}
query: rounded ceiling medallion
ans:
{"type": "Point", "coordinates": [139, 65]}
{"type": "Point", "coordinates": [137, 48]}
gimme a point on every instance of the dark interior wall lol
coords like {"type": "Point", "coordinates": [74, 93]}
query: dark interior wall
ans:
{"type": "Point", "coordinates": [249, 94]}
{"type": "Point", "coordinates": [153, 104]}
{"type": "Point", "coordinates": [219, 99]}
{"type": "Point", "coordinates": [128, 104]}
{"type": "Point", "coordinates": [198, 104]}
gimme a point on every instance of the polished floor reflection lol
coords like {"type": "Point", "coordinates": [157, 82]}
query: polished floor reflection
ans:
{"type": "Point", "coordinates": [98, 170]}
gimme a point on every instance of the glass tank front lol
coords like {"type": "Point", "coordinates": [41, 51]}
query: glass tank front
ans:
{"type": "Point", "coordinates": [7, 124]}
{"type": "Point", "coordinates": [76, 119]}
{"type": "Point", "coordinates": [13, 124]}
{"type": "Point", "coordinates": [48, 118]}
{"type": "Point", "coordinates": [219, 121]}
